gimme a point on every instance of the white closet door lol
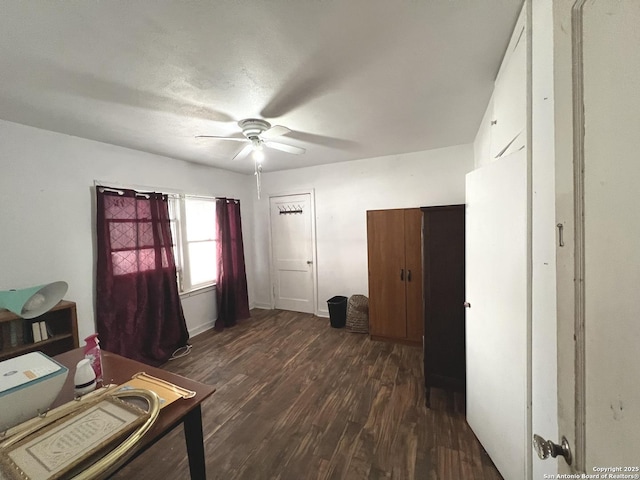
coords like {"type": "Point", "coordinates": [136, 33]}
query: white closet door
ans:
{"type": "Point", "coordinates": [292, 252]}
{"type": "Point", "coordinates": [496, 322]}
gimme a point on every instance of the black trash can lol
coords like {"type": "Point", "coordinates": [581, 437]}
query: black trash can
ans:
{"type": "Point", "coordinates": [337, 311]}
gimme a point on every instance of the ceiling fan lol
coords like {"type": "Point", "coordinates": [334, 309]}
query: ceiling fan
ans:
{"type": "Point", "coordinates": [259, 133]}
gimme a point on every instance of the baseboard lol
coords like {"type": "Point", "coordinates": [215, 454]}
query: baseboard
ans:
{"type": "Point", "coordinates": [323, 313]}
{"type": "Point", "coordinates": [201, 328]}
{"type": "Point", "coordinates": [261, 306]}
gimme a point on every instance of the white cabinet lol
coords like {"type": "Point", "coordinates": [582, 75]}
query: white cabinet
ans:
{"type": "Point", "coordinates": [503, 127]}
{"type": "Point", "coordinates": [508, 128]}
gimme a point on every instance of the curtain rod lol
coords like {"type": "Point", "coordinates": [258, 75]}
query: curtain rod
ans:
{"type": "Point", "coordinates": [209, 197]}
{"type": "Point", "coordinates": [120, 192]}
{"type": "Point", "coordinates": [114, 187]}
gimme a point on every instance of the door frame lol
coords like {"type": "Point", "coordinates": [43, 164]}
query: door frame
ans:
{"type": "Point", "coordinates": [569, 131]}
{"type": "Point", "coordinates": [572, 349]}
{"type": "Point", "coordinates": [314, 256]}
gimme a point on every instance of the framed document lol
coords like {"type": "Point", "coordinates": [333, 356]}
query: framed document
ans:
{"type": "Point", "coordinates": [65, 446]}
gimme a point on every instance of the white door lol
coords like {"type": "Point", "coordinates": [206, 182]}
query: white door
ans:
{"type": "Point", "coordinates": [292, 252]}
{"type": "Point", "coordinates": [496, 322]}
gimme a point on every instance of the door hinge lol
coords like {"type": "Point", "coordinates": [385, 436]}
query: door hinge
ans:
{"type": "Point", "coordinates": [560, 228]}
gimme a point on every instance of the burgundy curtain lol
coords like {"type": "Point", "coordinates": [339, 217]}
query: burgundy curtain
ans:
{"type": "Point", "coordinates": [138, 310]}
{"type": "Point", "coordinates": [233, 301]}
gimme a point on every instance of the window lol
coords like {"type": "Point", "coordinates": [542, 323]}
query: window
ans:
{"type": "Point", "coordinates": [134, 237]}
{"type": "Point", "coordinates": [193, 227]}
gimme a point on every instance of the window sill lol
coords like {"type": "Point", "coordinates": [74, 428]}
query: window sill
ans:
{"type": "Point", "coordinates": [198, 291]}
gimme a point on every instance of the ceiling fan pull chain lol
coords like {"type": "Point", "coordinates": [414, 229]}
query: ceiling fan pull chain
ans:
{"type": "Point", "coordinates": [258, 172]}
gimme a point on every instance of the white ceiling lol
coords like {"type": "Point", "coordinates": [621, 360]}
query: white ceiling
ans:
{"type": "Point", "coordinates": [352, 78]}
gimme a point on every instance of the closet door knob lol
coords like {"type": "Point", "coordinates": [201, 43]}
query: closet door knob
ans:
{"type": "Point", "coordinates": [546, 448]}
{"type": "Point", "coordinates": [408, 275]}
{"type": "Point", "coordinates": [402, 274]}
{"type": "Point", "coordinates": [466, 305]}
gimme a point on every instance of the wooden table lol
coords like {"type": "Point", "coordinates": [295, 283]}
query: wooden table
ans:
{"type": "Point", "coordinates": [117, 369]}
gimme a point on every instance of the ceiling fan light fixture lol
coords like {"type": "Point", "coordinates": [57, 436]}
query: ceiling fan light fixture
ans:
{"type": "Point", "coordinates": [259, 133]}
{"type": "Point", "coordinates": [258, 154]}
{"type": "Point", "coordinates": [257, 144]}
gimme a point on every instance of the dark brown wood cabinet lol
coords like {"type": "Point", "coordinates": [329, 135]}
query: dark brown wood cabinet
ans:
{"type": "Point", "coordinates": [61, 322]}
{"type": "Point", "coordinates": [395, 274]}
{"type": "Point", "coordinates": [444, 296]}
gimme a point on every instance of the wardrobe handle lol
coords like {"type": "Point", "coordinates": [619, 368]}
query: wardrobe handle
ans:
{"type": "Point", "coordinates": [408, 275]}
{"type": "Point", "coordinates": [402, 274]}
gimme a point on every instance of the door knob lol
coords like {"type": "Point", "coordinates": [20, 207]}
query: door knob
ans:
{"type": "Point", "coordinates": [309, 262]}
{"type": "Point", "coordinates": [466, 305]}
{"type": "Point", "coordinates": [546, 448]}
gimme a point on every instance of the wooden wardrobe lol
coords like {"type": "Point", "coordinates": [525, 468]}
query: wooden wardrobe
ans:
{"type": "Point", "coordinates": [395, 274]}
{"type": "Point", "coordinates": [416, 286]}
{"type": "Point", "coordinates": [444, 297]}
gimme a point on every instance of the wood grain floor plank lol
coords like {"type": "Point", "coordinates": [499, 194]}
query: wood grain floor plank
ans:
{"type": "Point", "coordinates": [448, 463]}
{"type": "Point", "coordinates": [297, 399]}
{"type": "Point", "coordinates": [360, 464]}
{"type": "Point", "coordinates": [343, 452]}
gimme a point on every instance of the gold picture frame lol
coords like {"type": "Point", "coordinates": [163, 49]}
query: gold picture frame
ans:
{"type": "Point", "coordinates": [65, 447]}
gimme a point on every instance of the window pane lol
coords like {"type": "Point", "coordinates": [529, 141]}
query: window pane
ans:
{"type": "Point", "coordinates": [122, 235]}
{"type": "Point", "coordinates": [134, 261]}
{"type": "Point", "coordinates": [202, 262]}
{"type": "Point", "coordinates": [201, 219]}
{"type": "Point", "coordinates": [173, 220]}
{"type": "Point", "coordinates": [174, 216]}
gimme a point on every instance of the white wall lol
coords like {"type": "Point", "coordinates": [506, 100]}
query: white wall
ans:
{"type": "Point", "coordinates": [46, 220]}
{"type": "Point", "coordinates": [343, 194]}
{"type": "Point", "coordinates": [612, 233]}
{"type": "Point", "coordinates": [200, 309]}
{"type": "Point", "coordinates": [46, 217]}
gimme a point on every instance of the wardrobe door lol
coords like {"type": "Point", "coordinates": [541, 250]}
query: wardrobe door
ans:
{"type": "Point", "coordinates": [413, 277]}
{"type": "Point", "coordinates": [444, 319]}
{"type": "Point", "coordinates": [387, 302]}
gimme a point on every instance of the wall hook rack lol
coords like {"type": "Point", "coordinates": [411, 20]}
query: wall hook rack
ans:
{"type": "Point", "coordinates": [290, 209]}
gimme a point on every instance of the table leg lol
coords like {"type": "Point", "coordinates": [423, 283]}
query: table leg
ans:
{"type": "Point", "coordinates": [195, 444]}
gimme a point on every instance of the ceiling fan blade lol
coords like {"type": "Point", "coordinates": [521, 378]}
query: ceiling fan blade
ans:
{"type": "Point", "coordinates": [275, 131]}
{"type": "Point", "coordinates": [244, 152]}
{"type": "Point", "coordinates": [285, 148]}
{"type": "Point", "coordinates": [339, 58]}
{"type": "Point", "coordinates": [235, 139]}
{"type": "Point", "coordinates": [325, 141]}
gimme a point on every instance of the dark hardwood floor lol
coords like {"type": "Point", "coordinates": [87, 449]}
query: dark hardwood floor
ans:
{"type": "Point", "coordinates": [297, 399]}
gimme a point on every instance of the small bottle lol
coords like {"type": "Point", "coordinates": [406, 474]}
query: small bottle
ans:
{"type": "Point", "coordinates": [92, 353]}
{"type": "Point", "coordinates": [84, 378]}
